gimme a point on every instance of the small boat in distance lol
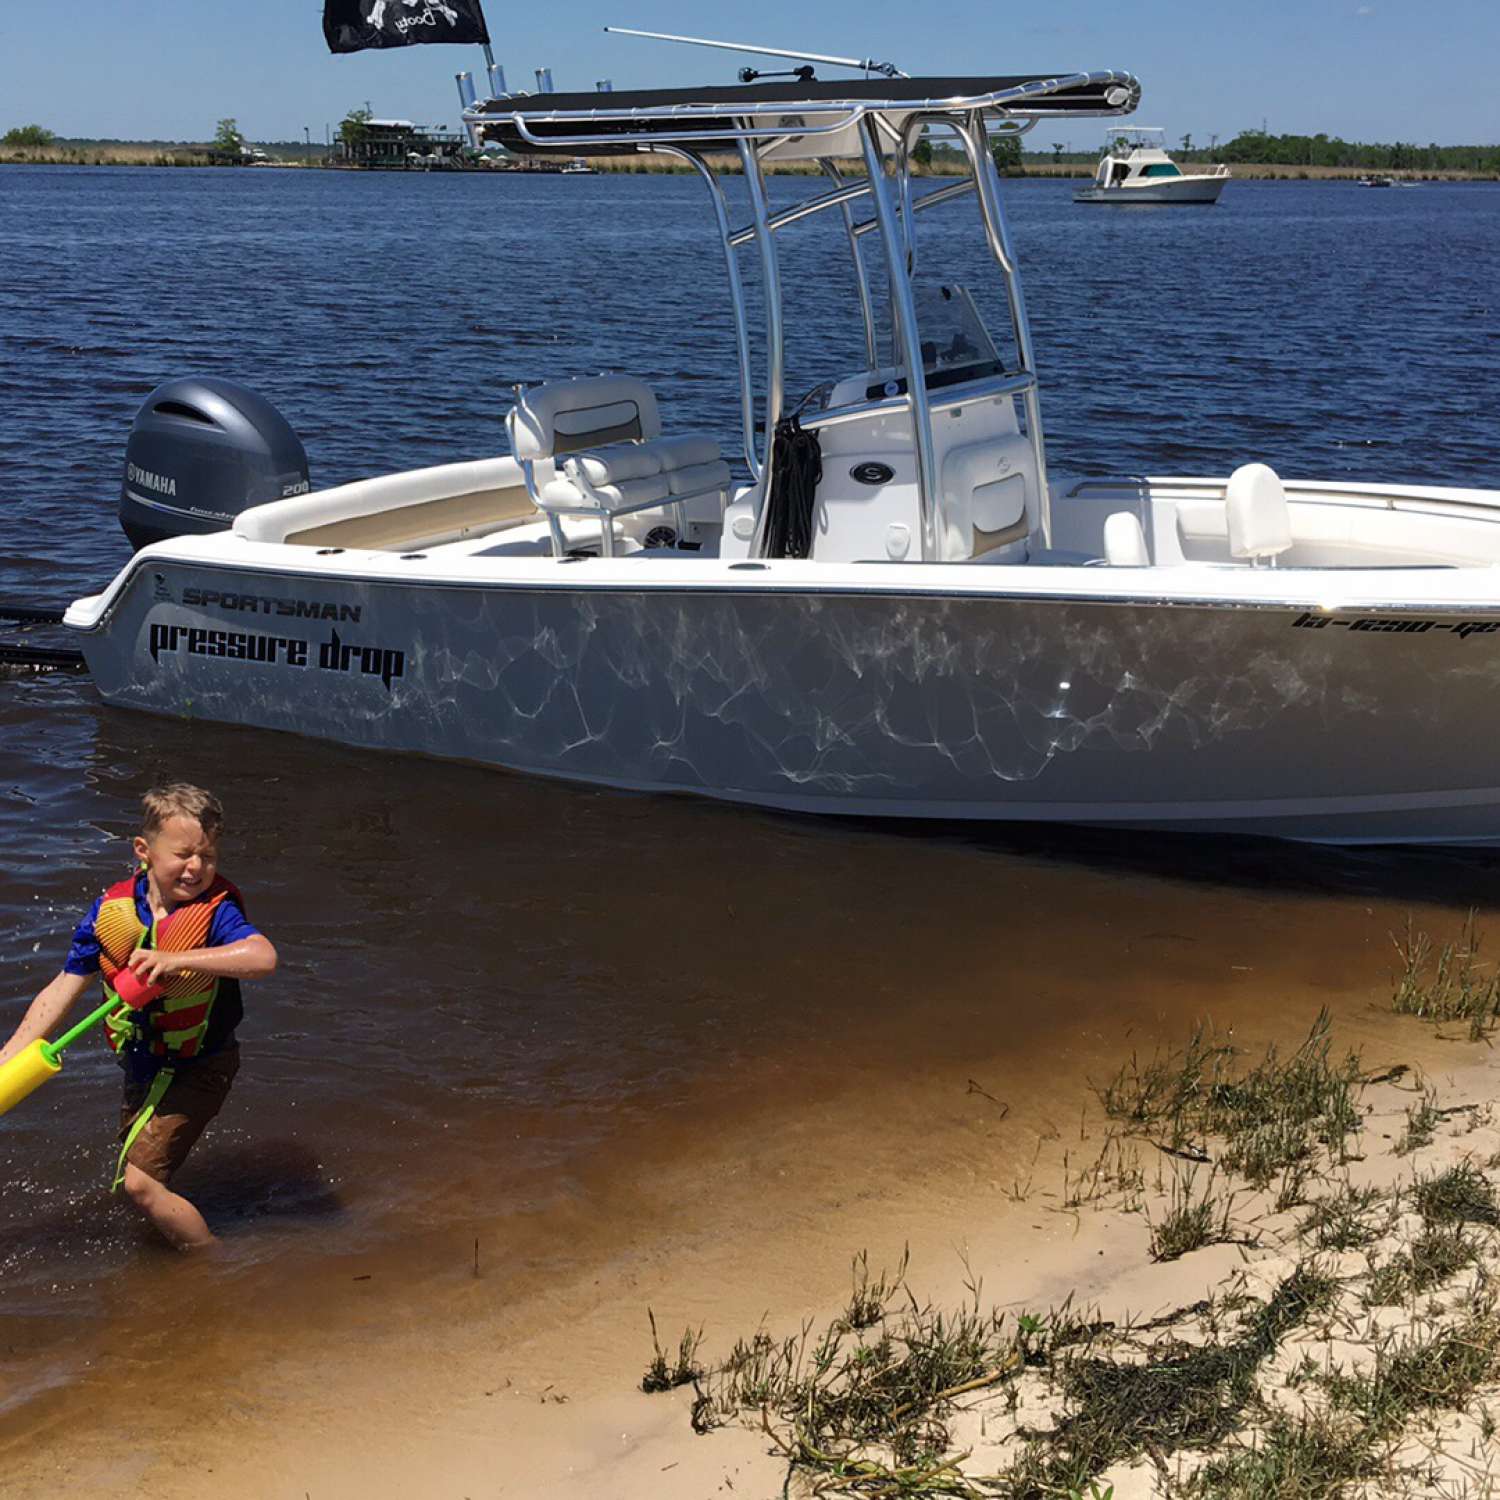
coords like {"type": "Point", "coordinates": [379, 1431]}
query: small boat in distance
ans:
{"type": "Point", "coordinates": [578, 167]}
{"type": "Point", "coordinates": [1135, 168]}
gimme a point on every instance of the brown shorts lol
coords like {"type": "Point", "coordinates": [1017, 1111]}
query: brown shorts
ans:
{"type": "Point", "coordinates": [194, 1096]}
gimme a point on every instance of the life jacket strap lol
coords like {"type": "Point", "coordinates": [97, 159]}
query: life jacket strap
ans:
{"type": "Point", "coordinates": [120, 1026]}
{"type": "Point", "coordinates": [159, 1086]}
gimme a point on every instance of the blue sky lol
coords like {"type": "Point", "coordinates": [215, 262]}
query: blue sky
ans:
{"type": "Point", "coordinates": [1364, 69]}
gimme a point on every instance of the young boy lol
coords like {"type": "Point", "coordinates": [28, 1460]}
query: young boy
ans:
{"type": "Point", "coordinates": [177, 922]}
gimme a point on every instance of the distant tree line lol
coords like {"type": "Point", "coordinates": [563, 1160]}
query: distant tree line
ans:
{"type": "Point", "coordinates": [1249, 146]}
{"type": "Point", "coordinates": [28, 135]}
{"type": "Point", "coordinates": [1006, 150]}
{"type": "Point", "coordinates": [1333, 151]}
{"type": "Point", "coordinates": [1261, 147]}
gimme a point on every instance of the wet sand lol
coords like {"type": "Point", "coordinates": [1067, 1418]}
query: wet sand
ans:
{"type": "Point", "coordinates": [447, 1384]}
{"type": "Point", "coordinates": [866, 1053]}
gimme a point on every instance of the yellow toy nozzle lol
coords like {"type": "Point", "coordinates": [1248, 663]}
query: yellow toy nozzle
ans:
{"type": "Point", "coordinates": [26, 1071]}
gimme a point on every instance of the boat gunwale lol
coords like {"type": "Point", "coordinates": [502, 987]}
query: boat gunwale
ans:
{"type": "Point", "coordinates": [622, 581]}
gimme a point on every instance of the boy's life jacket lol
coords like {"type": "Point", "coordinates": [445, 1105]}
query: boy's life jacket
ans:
{"type": "Point", "coordinates": [174, 1024]}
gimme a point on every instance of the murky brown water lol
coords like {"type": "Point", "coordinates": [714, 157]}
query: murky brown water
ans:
{"type": "Point", "coordinates": [563, 1023]}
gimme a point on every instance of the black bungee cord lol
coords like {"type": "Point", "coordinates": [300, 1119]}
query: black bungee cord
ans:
{"type": "Point", "coordinates": [796, 469]}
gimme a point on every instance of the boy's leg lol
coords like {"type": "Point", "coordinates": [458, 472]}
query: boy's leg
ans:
{"type": "Point", "coordinates": [180, 1224]}
{"type": "Point", "coordinates": [195, 1095]}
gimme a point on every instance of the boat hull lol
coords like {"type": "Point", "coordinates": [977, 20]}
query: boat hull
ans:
{"type": "Point", "coordinates": [976, 705]}
{"type": "Point", "coordinates": [1193, 189]}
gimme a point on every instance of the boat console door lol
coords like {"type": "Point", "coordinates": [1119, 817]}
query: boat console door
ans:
{"type": "Point", "coordinates": [868, 501]}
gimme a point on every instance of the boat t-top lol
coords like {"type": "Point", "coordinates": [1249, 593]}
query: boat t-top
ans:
{"type": "Point", "coordinates": [1135, 168]}
{"type": "Point", "coordinates": [876, 601]}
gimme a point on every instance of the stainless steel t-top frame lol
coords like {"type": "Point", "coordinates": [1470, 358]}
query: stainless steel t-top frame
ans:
{"type": "Point", "coordinates": [885, 137]}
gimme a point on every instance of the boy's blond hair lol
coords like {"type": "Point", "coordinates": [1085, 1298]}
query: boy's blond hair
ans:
{"type": "Point", "coordinates": [181, 799]}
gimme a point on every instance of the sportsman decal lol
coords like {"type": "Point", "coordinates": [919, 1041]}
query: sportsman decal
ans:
{"type": "Point", "coordinates": [272, 604]}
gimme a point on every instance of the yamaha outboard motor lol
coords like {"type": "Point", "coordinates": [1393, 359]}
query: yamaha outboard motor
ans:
{"type": "Point", "coordinates": [201, 451]}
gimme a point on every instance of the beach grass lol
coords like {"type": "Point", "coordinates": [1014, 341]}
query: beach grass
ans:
{"type": "Point", "coordinates": [1193, 1217]}
{"type": "Point", "coordinates": [1446, 983]}
{"type": "Point", "coordinates": [1344, 1218]}
{"type": "Point", "coordinates": [1267, 1117]}
{"type": "Point", "coordinates": [683, 1370]}
{"type": "Point", "coordinates": [1250, 1392]}
{"type": "Point", "coordinates": [1460, 1194]}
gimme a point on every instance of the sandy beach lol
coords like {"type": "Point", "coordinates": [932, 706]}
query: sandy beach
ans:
{"type": "Point", "coordinates": [456, 1369]}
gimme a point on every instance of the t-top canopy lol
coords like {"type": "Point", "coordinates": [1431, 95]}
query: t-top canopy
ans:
{"type": "Point", "coordinates": [601, 124]}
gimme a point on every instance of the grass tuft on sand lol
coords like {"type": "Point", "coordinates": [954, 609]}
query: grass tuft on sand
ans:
{"type": "Point", "coordinates": [1447, 983]}
{"type": "Point", "coordinates": [661, 1376]}
{"type": "Point", "coordinates": [1268, 1117]}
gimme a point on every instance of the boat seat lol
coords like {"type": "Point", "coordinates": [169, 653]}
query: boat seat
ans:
{"type": "Point", "coordinates": [1125, 541]}
{"type": "Point", "coordinates": [689, 450]}
{"type": "Point", "coordinates": [602, 435]}
{"type": "Point", "coordinates": [1257, 515]}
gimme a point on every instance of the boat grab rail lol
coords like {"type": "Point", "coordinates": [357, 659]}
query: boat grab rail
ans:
{"type": "Point", "coordinates": [1436, 500]}
{"type": "Point", "coordinates": [846, 193]}
{"type": "Point", "coordinates": [850, 117]}
{"type": "Point", "coordinates": [850, 194]}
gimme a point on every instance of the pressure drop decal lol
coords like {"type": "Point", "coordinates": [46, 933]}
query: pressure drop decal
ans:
{"type": "Point", "coordinates": [295, 652]}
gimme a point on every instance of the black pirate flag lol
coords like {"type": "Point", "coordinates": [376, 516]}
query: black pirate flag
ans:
{"type": "Point", "coordinates": [355, 25]}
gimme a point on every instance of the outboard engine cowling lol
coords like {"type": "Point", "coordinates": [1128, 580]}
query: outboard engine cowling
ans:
{"type": "Point", "coordinates": [201, 450]}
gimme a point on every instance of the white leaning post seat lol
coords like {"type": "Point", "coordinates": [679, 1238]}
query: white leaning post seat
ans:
{"type": "Point", "coordinates": [1125, 541]}
{"type": "Point", "coordinates": [603, 436]}
{"type": "Point", "coordinates": [1255, 508]}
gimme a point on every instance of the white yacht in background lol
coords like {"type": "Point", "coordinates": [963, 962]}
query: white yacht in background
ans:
{"type": "Point", "coordinates": [1135, 168]}
{"type": "Point", "coordinates": [879, 605]}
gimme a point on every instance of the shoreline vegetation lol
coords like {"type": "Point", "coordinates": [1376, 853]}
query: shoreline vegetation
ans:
{"type": "Point", "coordinates": [1348, 1345]}
{"type": "Point", "coordinates": [129, 156]}
{"type": "Point", "coordinates": [1252, 158]}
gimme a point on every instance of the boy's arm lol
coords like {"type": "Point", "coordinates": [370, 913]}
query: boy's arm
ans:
{"type": "Point", "coordinates": [49, 1007]}
{"type": "Point", "coordinates": [247, 958]}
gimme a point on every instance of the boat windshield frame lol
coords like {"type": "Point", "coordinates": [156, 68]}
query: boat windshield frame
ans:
{"type": "Point", "coordinates": [1147, 138]}
{"type": "Point", "coordinates": [887, 132]}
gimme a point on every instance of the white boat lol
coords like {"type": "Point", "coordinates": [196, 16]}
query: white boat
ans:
{"type": "Point", "coordinates": [1135, 168]}
{"type": "Point", "coordinates": [892, 613]}
{"type": "Point", "coordinates": [579, 168]}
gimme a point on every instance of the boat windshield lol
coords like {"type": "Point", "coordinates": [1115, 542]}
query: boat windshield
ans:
{"type": "Point", "coordinates": [956, 345]}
